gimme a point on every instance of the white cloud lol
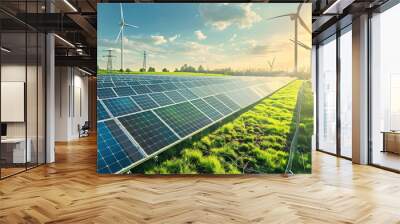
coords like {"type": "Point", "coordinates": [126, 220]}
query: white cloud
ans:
{"type": "Point", "coordinates": [221, 16]}
{"type": "Point", "coordinates": [159, 39]}
{"type": "Point", "coordinates": [200, 35]}
{"type": "Point", "coordinates": [233, 38]}
{"type": "Point", "coordinates": [173, 38]}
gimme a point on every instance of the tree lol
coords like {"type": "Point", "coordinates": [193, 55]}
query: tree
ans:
{"type": "Point", "coordinates": [121, 70]}
{"type": "Point", "coordinates": [142, 70]}
{"type": "Point", "coordinates": [165, 70]}
{"type": "Point", "coordinates": [201, 69]}
{"type": "Point", "coordinates": [151, 69]}
{"type": "Point", "coordinates": [128, 70]}
{"type": "Point", "coordinates": [176, 70]}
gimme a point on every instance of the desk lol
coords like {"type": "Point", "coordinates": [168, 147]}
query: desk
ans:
{"type": "Point", "coordinates": [391, 141]}
{"type": "Point", "coordinates": [13, 150]}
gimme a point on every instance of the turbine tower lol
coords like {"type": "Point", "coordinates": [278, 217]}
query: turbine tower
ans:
{"type": "Point", "coordinates": [122, 26]}
{"type": "Point", "coordinates": [144, 60]}
{"type": "Point", "coordinates": [297, 19]}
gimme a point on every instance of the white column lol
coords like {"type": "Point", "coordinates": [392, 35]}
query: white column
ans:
{"type": "Point", "coordinates": [50, 94]}
{"type": "Point", "coordinates": [360, 90]}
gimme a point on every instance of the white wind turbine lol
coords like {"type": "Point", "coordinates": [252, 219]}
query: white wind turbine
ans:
{"type": "Point", "coordinates": [122, 25]}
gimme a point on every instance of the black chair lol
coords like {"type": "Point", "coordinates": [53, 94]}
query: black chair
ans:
{"type": "Point", "coordinates": [84, 130]}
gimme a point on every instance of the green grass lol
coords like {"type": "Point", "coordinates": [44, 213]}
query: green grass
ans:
{"type": "Point", "coordinates": [254, 142]}
{"type": "Point", "coordinates": [117, 72]}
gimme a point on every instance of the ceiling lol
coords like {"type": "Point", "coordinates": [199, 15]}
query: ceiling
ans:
{"type": "Point", "coordinates": [74, 22]}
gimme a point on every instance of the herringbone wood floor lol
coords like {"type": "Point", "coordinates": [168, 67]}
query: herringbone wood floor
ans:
{"type": "Point", "coordinates": [70, 191]}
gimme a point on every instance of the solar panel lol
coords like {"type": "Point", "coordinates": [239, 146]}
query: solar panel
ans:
{"type": "Point", "coordinates": [175, 107]}
{"type": "Point", "coordinates": [143, 82]}
{"type": "Point", "coordinates": [169, 86]}
{"type": "Point", "coordinates": [161, 99]}
{"type": "Point", "coordinates": [108, 84]}
{"type": "Point", "coordinates": [133, 83]}
{"type": "Point", "coordinates": [189, 95]}
{"type": "Point", "coordinates": [105, 93]}
{"type": "Point", "coordinates": [111, 156]}
{"type": "Point", "coordinates": [101, 112]}
{"type": "Point", "coordinates": [141, 89]}
{"type": "Point", "coordinates": [124, 91]}
{"type": "Point", "coordinates": [144, 101]}
{"type": "Point", "coordinates": [121, 106]}
{"type": "Point", "coordinates": [179, 85]}
{"type": "Point", "coordinates": [183, 118]}
{"type": "Point", "coordinates": [207, 109]}
{"type": "Point", "coordinates": [228, 102]}
{"type": "Point", "coordinates": [156, 88]}
{"type": "Point", "coordinates": [244, 97]}
{"type": "Point", "coordinates": [148, 130]}
{"type": "Point", "coordinates": [214, 102]}
{"type": "Point", "coordinates": [175, 96]}
{"type": "Point", "coordinates": [120, 83]}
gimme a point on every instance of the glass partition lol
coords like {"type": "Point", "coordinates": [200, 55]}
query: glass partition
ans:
{"type": "Point", "coordinates": [22, 88]}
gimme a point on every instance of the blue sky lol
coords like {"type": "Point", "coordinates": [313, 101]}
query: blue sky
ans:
{"type": "Point", "coordinates": [213, 35]}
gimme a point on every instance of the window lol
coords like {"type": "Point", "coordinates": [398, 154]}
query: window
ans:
{"type": "Point", "coordinates": [385, 89]}
{"type": "Point", "coordinates": [327, 95]}
{"type": "Point", "coordinates": [346, 92]}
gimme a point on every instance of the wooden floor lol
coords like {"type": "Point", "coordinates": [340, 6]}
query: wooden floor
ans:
{"type": "Point", "coordinates": [70, 191]}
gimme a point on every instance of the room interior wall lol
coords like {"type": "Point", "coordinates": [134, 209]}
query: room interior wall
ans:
{"type": "Point", "coordinates": [71, 102]}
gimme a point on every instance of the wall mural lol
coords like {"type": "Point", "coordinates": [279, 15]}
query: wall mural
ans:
{"type": "Point", "coordinates": [204, 88]}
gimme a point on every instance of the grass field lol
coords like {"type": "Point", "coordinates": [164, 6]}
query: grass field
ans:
{"type": "Point", "coordinates": [104, 72]}
{"type": "Point", "coordinates": [257, 141]}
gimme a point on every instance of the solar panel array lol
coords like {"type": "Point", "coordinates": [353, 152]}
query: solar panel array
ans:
{"type": "Point", "coordinates": [140, 116]}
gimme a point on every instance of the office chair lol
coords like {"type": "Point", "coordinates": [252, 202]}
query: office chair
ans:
{"type": "Point", "coordinates": [84, 130]}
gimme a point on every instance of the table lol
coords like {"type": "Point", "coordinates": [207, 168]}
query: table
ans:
{"type": "Point", "coordinates": [13, 150]}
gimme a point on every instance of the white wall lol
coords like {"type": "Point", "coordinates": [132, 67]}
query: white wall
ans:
{"type": "Point", "coordinates": [71, 94]}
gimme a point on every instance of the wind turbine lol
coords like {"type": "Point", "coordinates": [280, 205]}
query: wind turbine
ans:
{"type": "Point", "coordinates": [271, 64]}
{"type": "Point", "coordinates": [122, 25]}
{"type": "Point", "coordinates": [297, 19]}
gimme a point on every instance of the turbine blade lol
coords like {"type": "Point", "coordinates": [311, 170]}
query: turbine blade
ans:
{"type": "Point", "coordinates": [133, 26]}
{"type": "Point", "coordinates": [303, 24]}
{"type": "Point", "coordinates": [284, 15]}
{"type": "Point", "coordinates": [122, 13]}
{"type": "Point", "coordinates": [120, 31]}
{"type": "Point", "coordinates": [301, 44]}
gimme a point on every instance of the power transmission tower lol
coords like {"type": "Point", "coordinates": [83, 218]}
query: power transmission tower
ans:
{"type": "Point", "coordinates": [144, 61]}
{"type": "Point", "coordinates": [109, 57]}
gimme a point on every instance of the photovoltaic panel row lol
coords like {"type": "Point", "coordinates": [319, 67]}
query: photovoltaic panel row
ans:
{"type": "Point", "coordinates": [121, 106]}
{"type": "Point", "coordinates": [124, 91]}
{"type": "Point", "coordinates": [175, 96]}
{"type": "Point", "coordinates": [189, 95]}
{"type": "Point", "coordinates": [105, 93]}
{"type": "Point", "coordinates": [145, 102]}
{"type": "Point", "coordinates": [101, 112]}
{"type": "Point", "coordinates": [228, 102]}
{"type": "Point", "coordinates": [141, 89]}
{"type": "Point", "coordinates": [178, 106]}
{"type": "Point", "coordinates": [161, 99]}
{"type": "Point", "coordinates": [207, 109]}
{"type": "Point", "coordinates": [214, 102]}
{"type": "Point", "coordinates": [244, 97]}
{"type": "Point", "coordinates": [183, 118]}
{"type": "Point", "coordinates": [148, 130]}
{"type": "Point", "coordinates": [111, 143]}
